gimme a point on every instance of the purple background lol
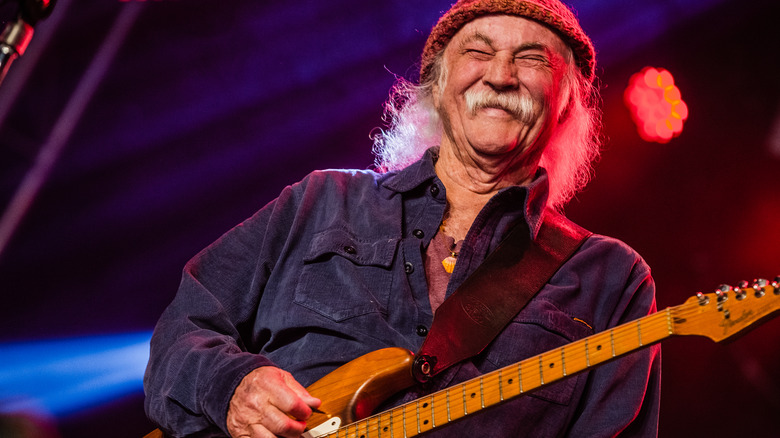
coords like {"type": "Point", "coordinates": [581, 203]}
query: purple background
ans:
{"type": "Point", "coordinates": [208, 109]}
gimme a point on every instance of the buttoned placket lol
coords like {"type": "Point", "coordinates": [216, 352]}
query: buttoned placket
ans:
{"type": "Point", "coordinates": [423, 214]}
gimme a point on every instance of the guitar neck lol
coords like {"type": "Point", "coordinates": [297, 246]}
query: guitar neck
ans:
{"type": "Point", "coordinates": [445, 406]}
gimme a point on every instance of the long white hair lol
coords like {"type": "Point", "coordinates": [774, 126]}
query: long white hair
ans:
{"type": "Point", "coordinates": [413, 126]}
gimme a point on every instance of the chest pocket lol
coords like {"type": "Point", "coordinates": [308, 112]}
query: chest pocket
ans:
{"type": "Point", "coordinates": [343, 277]}
{"type": "Point", "coordinates": [538, 328]}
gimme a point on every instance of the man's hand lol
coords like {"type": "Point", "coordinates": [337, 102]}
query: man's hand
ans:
{"type": "Point", "coordinates": [269, 402]}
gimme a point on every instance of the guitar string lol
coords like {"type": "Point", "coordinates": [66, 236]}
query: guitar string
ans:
{"type": "Point", "coordinates": [529, 368]}
{"type": "Point", "coordinates": [619, 336]}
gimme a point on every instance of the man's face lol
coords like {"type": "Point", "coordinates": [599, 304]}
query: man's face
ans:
{"type": "Point", "coordinates": [501, 89]}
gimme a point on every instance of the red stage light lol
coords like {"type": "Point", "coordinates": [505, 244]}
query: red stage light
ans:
{"type": "Point", "coordinates": [656, 105]}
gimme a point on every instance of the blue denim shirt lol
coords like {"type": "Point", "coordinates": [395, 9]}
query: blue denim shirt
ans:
{"type": "Point", "coordinates": [333, 269]}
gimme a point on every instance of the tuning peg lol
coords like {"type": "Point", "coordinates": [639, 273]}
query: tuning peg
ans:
{"type": "Point", "coordinates": [776, 285]}
{"type": "Point", "coordinates": [722, 292]}
{"type": "Point", "coordinates": [703, 299]}
{"type": "Point", "coordinates": [758, 286]}
{"type": "Point", "coordinates": [739, 292]}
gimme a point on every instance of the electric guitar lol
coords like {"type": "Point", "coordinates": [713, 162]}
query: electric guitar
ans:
{"type": "Point", "coordinates": [350, 393]}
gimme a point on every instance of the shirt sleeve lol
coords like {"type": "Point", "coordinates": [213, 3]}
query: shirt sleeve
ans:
{"type": "Point", "coordinates": [622, 397]}
{"type": "Point", "coordinates": [203, 343]}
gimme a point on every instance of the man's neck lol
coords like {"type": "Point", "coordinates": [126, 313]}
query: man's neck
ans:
{"type": "Point", "coordinates": [470, 186]}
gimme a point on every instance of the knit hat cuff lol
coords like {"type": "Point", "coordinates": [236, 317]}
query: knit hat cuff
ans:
{"type": "Point", "coordinates": [552, 13]}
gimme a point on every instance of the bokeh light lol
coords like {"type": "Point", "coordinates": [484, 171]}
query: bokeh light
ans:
{"type": "Point", "coordinates": [656, 105]}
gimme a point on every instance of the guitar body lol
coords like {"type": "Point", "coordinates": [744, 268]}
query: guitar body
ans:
{"type": "Point", "coordinates": [354, 390]}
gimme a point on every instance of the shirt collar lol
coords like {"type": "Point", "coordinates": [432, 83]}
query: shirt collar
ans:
{"type": "Point", "coordinates": [414, 175]}
{"type": "Point", "coordinates": [524, 201]}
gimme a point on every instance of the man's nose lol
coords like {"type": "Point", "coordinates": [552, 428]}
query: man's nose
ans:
{"type": "Point", "coordinates": [501, 73]}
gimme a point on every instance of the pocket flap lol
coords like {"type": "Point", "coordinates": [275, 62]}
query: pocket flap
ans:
{"type": "Point", "coordinates": [339, 241]}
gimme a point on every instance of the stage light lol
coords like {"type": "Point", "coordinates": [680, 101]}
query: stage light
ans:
{"type": "Point", "coordinates": [61, 377]}
{"type": "Point", "coordinates": [656, 105]}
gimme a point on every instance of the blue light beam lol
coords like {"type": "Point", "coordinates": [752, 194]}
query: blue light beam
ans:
{"type": "Point", "coordinates": [62, 377]}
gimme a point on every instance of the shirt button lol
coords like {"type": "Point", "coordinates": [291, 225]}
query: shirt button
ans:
{"type": "Point", "coordinates": [350, 249]}
{"type": "Point", "coordinates": [418, 233]}
{"type": "Point", "coordinates": [408, 267]}
{"type": "Point", "coordinates": [422, 330]}
{"type": "Point", "coordinates": [434, 190]}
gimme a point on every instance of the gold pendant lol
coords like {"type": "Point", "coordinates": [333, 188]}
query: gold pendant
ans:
{"type": "Point", "coordinates": [449, 264]}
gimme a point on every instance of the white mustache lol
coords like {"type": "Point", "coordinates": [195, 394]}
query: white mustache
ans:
{"type": "Point", "coordinates": [520, 106]}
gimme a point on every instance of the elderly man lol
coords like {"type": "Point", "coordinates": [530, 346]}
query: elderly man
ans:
{"type": "Point", "coordinates": [500, 131]}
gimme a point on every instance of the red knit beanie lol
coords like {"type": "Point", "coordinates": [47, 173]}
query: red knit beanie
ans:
{"type": "Point", "coordinates": [552, 13]}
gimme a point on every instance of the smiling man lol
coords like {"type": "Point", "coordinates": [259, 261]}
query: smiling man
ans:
{"type": "Point", "coordinates": [499, 98]}
{"type": "Point", "coordinates": [499, 133]}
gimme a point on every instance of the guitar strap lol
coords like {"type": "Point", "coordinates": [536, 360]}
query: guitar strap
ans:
{"type": "Point", "coordinates": [495, 292]}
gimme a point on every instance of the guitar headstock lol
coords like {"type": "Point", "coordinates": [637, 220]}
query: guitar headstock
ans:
{"type": "Point", "coordinates": [728, 311]}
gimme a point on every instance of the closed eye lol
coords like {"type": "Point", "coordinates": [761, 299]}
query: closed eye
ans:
{"type": "Point", "coordinates": [539, 60]}
{"type": "Point", "coordinates": [480, 54]}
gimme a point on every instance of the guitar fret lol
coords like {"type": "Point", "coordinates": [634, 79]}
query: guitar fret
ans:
{"type": "Point", "coordinates": [587, 354]}
{"type": "Point", "coordinates": [433, 414]}
{"type": "Point", "coordinates": [465, 408]}
{"type": "Point", "coordinates": [541, 371]}
{"type": "Point", "coordinates": [500, 388]}
{"type": "Point", "coordinates": [612, 341]}
{"type": "Point", "coordinates": [639, 332]}
{"type": "Point", "coordinates": [563, 362]}
{"type": "Point", "coordinates": [403, 411]}
{"type": "Point", "coordinates": [520, 378]}
{"type": "Point", "coordinates": [418, 417]}
{"type": "Point", "coordinates": [669, 320]}
{"type": "Point", "coordinates": [481, 394]}
{"type": "Point", "coordinates": [448, 406]}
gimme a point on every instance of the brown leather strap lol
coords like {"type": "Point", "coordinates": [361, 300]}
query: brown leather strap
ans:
{"type": "Point", "coordinates": [495, 292]}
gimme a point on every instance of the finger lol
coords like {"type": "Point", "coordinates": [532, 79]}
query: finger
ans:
{"type": "Point", "coordinates": [259, 431]}
{"type": "Point", "coordinates": [292, 406]}
{"type": "Point", "coordinates": [280, 424]}
{"type": "Point", "coordinates": [304, 396]}
{"type": "Point", "coordinates": [293, 400]}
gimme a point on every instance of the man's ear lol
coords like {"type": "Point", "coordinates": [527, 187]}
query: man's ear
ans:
{"type": "Point", "coordinates": [566, 96]}
{"type": "Point", "coordinates": [564, 113]}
